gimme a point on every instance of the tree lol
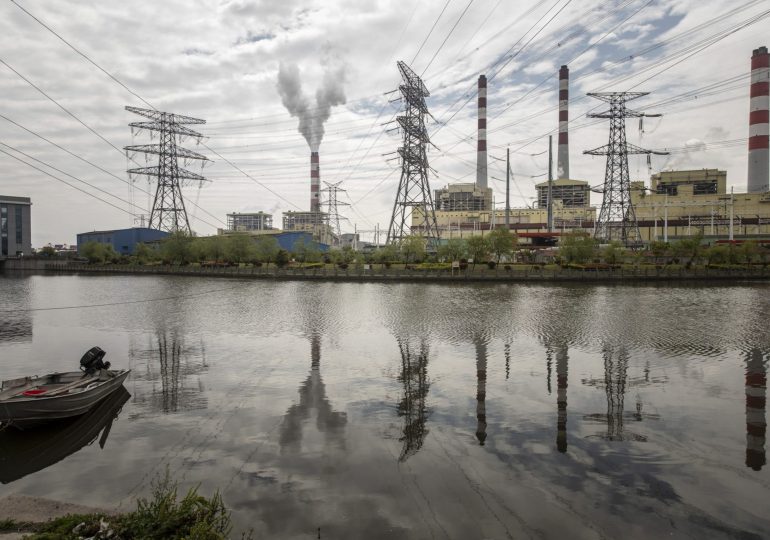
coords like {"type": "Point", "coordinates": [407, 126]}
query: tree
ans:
{"type": "Point", "coordinates": [144, 253]}
{"type": "Point", "coordinates": [48, 251]}
{"type": "Point", "coordinates": [659, 249]}
{"type": "Point", "coordinates": [577, 247]}
{"type": "Point", "coordinates": [612, 253]}
{"type": "Point", "coordinates": [502, 242]}
{"type": "Point", "coordinates": [240, 248]}
{"type": "Point", "coordinates": [749, 251]}
{"type": "Point", "coordinates": [216, 248]}
{"type": "Point", "coordinates": [266, 249]}
{"type": "Point", "coordinates": [306, 251]}
{"type": "Point", "coordinates": [478, 248]}
{"type": "Point", "coordinates": [176, 248]}
{"type": "Point", "coordinates": [281, 258]}
{"type": "Point", "coordinates": [387, 254]}
{"type": "Point", "coordinates": [347, 255]}
{"type": "Point", "coordinates": [718, 254]}
{"type": "Point", "coordinates": [688, 248]}
{"type": "Point", "coordinates": [413, 249]}
{"type": "Point", "coordinates": [454, 249]}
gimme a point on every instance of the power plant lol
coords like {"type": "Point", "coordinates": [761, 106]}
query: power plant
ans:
{"type": "Point", "coordinates": [672, 204]}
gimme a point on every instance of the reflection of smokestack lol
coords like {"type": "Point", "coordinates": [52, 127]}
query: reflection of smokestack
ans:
{"type": "Point", "coordinates": [481, 155]}
{"type": "Point", "coordinates": [561, 399]}
{"type": "Point", "coordinates": [562, 166]}
{"type": "Point", "coordinates": [759, 154]}
{"type": "Point", "coordinates": [756, 425]}
{"type": "Point", "coordinates": [481, 391]}
{"type": "Point", "coordinates": [315, 182]}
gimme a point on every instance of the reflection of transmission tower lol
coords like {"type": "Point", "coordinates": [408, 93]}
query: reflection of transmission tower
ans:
{"type": "Point", "coordinates": [617, 219]}
{"type": "Point", "coordinates": [412, 407]}
{"type": "Point", "coordinates": [168, 211]}
{"type": "Point", "coordinates": [332, 213]}
{"type": "Point", "coordinates": [413, 189]}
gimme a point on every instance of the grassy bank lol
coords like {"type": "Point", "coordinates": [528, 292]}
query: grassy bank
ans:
{"type": "Point", "coordinates": [162, 516]}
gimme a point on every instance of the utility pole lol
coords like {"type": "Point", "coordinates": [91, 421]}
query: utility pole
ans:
{"type": "Point", "coordinates": [508, 188]}
{"type": "Point", "coordinates": [617, 218]}
{"type": "Point", "coordinates": [332, 213]}
{"type": "Point", "coordinates": [550, 184]}
{"type": "Point", "coordinates": [168, 210]}
{"type": "Point", "coordinates": [413, 188]}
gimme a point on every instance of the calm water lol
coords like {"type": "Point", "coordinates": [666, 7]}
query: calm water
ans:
{"type": "Point", "coordinates": [409, 411]}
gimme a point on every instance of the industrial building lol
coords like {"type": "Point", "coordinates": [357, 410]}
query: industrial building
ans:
{"type": "Point", "coordinates": [123, 241]}
{"type": "Point", "coordinates": [15, 226]}
{"type": "Point", "coordinates": [255, 221]}
{"type": "Point", "coordinates": [568, 193]}
{"type": "Point", "coordinates": [463, 198]}
{"type": "Point", "coordinates": [316, 223]}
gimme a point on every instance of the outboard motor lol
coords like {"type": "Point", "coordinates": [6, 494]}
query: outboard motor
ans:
{"type": "Point", "coordinates": [92, 361]}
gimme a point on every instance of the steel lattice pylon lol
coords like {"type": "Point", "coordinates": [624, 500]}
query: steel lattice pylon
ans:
{"type": "Point", "coordinates": [168, 210]}
{"type": "Point", "coordinates": [617, 219]}
{"type": "Point", "coordinates": [332, 204]}
{"type": "Point", "coordinates": [413, 189]}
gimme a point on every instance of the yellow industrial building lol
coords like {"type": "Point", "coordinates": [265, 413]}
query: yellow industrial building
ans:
{"type": "Point", "coordinates": [676, 204]}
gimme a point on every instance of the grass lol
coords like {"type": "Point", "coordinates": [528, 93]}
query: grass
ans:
{"type": "Point", "coordinates": [163, 516]}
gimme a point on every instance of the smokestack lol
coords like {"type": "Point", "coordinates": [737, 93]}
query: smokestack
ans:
{"type": "Point", "coordinates": [759, 174]}
{"type": "Point", "coordinates": [481, 155]}
{"type": "Point", "coordinates": [315, 183]}
{"type": "Point", "coordinates": [562, 166]}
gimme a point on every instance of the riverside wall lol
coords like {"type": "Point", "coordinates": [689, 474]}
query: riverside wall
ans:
{"type": "Point", "coordinates": [396, 273]}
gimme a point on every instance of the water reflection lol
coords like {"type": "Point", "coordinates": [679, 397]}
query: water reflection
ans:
{"type": "Point", "coordinates": [756, 425]}
{"type": "Point", "coordinates": [412, 407]}
{"type": "Point", "coordinates": [615, 383]}
{"type": "Point", "coordinates": [25, 452]}
{"type": "Point", "coordinates": [15, 326]}
{"type": "Point", "coordinates": [481, 390]}
{"type": "Point", "coordinates": [312, 398]}
{"type": "Point", "coordinates": [562, 374]}
{"type": "Point", "coordinates": [177, 367]}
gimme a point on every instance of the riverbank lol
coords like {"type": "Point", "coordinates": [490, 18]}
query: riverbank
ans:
{"type": "Point", "coordinates": [394, 273]}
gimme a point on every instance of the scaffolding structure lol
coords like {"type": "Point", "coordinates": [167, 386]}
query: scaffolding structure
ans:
{"type": "Point", "coordinates": [617, 219]}
{"type": "Point", "coordinates": [413, 188]}
{"type": "Point", "coordinates": [168, 209]}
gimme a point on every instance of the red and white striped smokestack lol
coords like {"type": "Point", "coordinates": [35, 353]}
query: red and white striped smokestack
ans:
{"type": "Point", "coordinates": [481, 154]}
{"type": "Point", "coordinates": [315, 183]}
{"type": "Point", "coordinates": [562, 165]}
{"type": "Point", "coordinates": [759, 154]}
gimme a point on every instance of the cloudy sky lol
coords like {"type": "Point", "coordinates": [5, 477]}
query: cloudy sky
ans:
{"type": "Point", "coordinates": [219, 60]}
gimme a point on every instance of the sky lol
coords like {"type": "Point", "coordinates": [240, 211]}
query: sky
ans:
{"type": "Point", "coordinates": [220, 61]}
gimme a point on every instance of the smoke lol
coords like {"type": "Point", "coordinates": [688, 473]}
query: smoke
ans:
{"type": "Point", "coordinates": [330, 94]}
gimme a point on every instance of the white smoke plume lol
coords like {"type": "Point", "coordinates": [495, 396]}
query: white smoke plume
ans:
{"type": "Point", "coordinates": [311, 119]}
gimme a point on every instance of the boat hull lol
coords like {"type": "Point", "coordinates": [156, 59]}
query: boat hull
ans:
{"type": "Point", "coordinates": [33, 410]}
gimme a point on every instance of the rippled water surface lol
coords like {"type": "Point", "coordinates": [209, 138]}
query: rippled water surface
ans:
{"type": "Point", "coordinates": [408, 410]}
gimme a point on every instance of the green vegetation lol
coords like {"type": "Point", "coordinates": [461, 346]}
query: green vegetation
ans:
{"type": "Point", "coordinates": [48, 251]}
{"type": "Point", "coordinates": [99, 253]}
{"type": "Point", "coordinates": [577, 248]}
{"type": "Point", "coordinates": [163, 516]}
{"type": "Point", "coordinates": [502, 243]}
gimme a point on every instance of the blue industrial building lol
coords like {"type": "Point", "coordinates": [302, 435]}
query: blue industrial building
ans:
{"type": "Point", "coordinates": [287, 239]}
{"type": "Point", "coordinates": [123, 241]}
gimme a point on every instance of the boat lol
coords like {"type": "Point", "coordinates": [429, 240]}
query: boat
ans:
{"type": "Point", "coordinates": [29, 451]}
{"type": "Point", "coordinates": [27, 401]}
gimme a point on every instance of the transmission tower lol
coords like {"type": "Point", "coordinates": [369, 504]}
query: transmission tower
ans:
{"type": "Point", "coordinates": [617, 219]}
{"type": "Point", "coordinates": [332, 213]}
{"type": "Point", "coordinates": [168, 211]}
{"type": "Point", "coordinates": [413, 189]}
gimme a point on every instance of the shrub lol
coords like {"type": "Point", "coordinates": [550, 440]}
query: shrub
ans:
{"type": "Point", "coordinates": [491, 265]}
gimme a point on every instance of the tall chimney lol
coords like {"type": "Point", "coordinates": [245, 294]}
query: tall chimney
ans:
{"type": "Point", "coordinates": [562, 166]}
{"type": "Point", "coordinates": [315, 183]}
{"type": "Point", "coordinates": [759, 175]}
{"type": "Point", "coordinates": [481, 155]}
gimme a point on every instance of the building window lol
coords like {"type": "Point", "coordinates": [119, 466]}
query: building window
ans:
{"type": "Point", "coordinates": [4, 230]}
{"type": "Point", "coordinates": [18, 227]}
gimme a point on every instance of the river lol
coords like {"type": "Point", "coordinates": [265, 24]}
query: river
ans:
{"type": "Point", "coordinates": [412, 410]}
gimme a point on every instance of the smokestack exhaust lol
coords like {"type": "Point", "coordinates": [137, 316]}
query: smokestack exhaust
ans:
{"type": "Point", "coordinates": [562, 164]}
{"type": "Point", "coordinates": [759, 154]}
{"type": "Point", "coordinates": [481, 154]}
{"type": "Point", "coordinates": [315, 183]}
